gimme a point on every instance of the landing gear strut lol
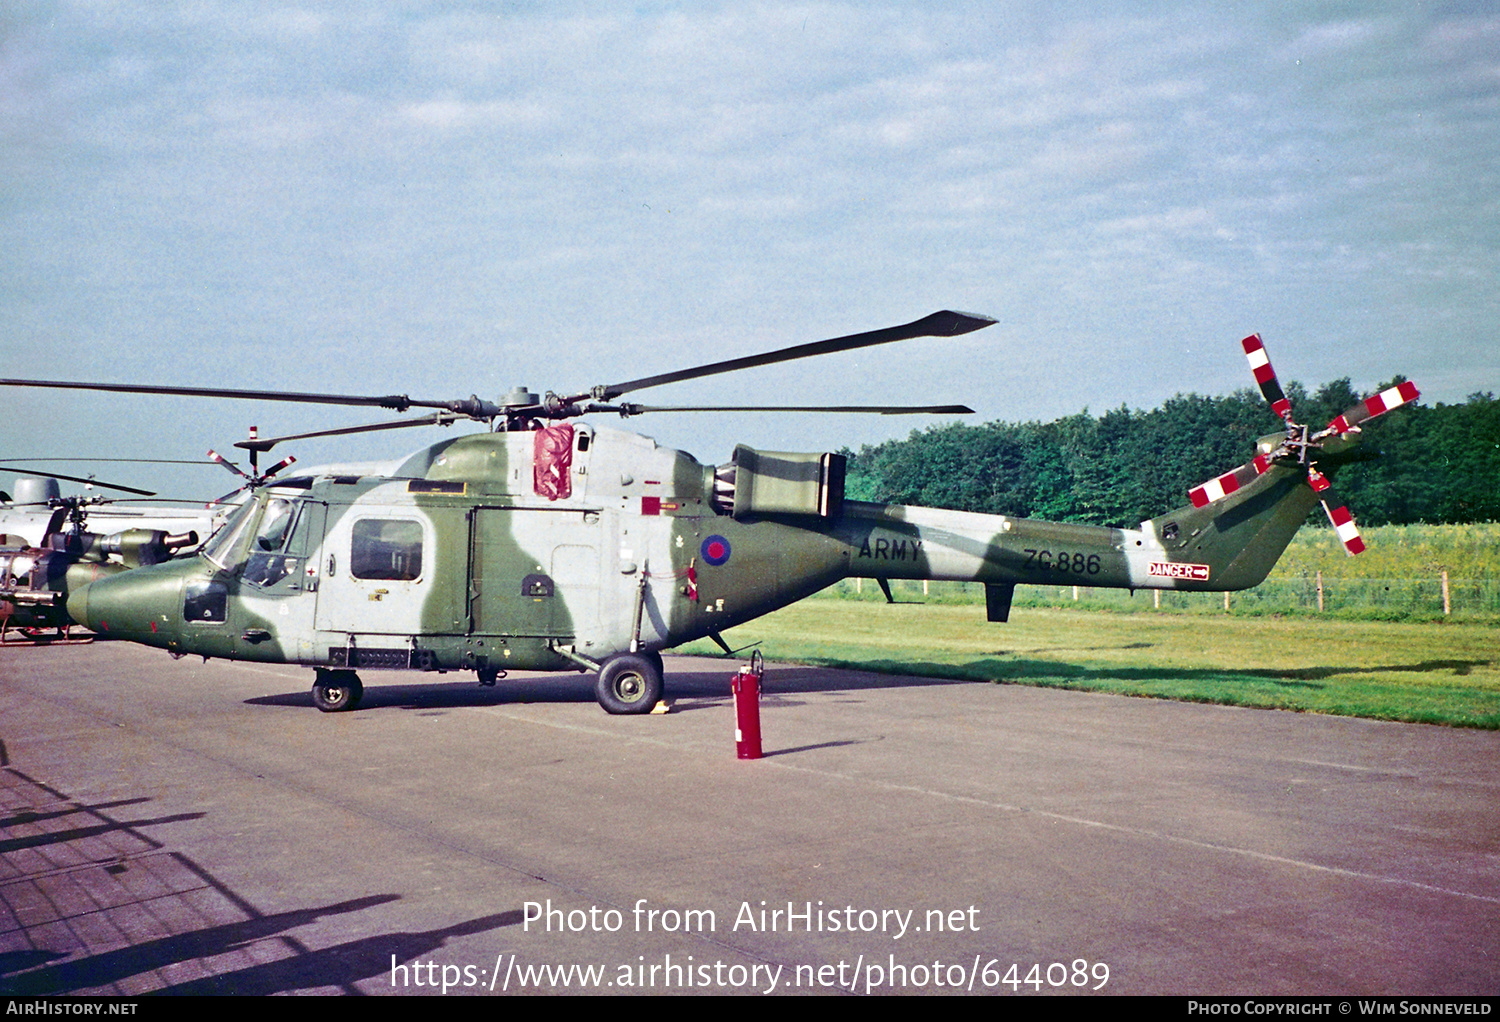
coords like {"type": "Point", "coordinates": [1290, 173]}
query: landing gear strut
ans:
{"type": "Point", "coordinates": [336, 691]}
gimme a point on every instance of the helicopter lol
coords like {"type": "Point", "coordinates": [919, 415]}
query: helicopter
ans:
{"type": "Point", "coordinates": [46, 548]}
{"type": "Point", "coordinates": [552, 544]}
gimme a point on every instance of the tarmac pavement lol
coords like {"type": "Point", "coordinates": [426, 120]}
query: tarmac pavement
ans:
{"type": "Point", "coordinates": [191, 827]}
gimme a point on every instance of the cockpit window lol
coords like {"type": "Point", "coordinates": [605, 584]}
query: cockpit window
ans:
{"type": "Point", "coordinates": [220, 548]}
{"type": "Point", "coordinates": [278, 548]}
{"type": "Point", "coordinates": [274, 524]}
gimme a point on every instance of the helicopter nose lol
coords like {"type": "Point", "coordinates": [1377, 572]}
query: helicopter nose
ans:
{"type": "Point", "coordinates": [78, 604]}
{"type": "Point", "coordinates": [138, 605]}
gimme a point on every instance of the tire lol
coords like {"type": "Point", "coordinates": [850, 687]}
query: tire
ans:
{"type": "Point", "coordinates": [629, 683]}
{"type": "Point", "coordinates": [337, 691]}
{"type": "Point", "coordinates": [655, 659]}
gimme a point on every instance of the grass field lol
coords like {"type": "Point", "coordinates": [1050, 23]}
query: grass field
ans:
{"type": "Point", "coordinates": [1445, 673]}
{"type": "Point", "coordinates": [1397, 551]}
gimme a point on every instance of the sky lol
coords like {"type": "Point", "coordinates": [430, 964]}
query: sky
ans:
{"type": "Point", "coordinates": [446, 199]}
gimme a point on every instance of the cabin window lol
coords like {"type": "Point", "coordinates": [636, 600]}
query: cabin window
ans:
{"type": "Point", "coordinates": [386, 549]}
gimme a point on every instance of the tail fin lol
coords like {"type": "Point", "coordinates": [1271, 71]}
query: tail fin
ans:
{"type": "Point", "coordinates": [1241, 521]}
{"type": "Point", "coordinates": [1241, 536]}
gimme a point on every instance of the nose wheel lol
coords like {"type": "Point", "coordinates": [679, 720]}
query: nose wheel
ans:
{"type": "Point", "coordinates": [337, 691]}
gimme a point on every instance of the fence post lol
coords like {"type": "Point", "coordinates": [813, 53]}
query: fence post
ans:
{"type": "Point", "coordinates": [1320, 592]}
{"type": "Point", "coordinates": [1156, 598]}
{"type": "Point", "coordinates": [1447, 606]}
{"type": "Point", "coordinates": [1226, 601]}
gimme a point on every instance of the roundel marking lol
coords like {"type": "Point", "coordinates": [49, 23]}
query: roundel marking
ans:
{"type": "Point", "coordinates": [715, 550]}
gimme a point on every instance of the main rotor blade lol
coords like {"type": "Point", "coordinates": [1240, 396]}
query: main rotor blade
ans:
{"type": "Point", "coordinates": [396, 402]}
{"type": "Point", "coordinates": [86, 482]}
{"type": "Point", "coordinates": [857, 409]}
{"type": "Point", "coordinates": [939, 324]}
{"type": "Point", "coordinates": [263, 444]}
{"type": "Point", "coordinates": [100, 461]}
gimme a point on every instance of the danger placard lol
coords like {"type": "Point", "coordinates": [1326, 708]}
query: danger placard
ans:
{"type": "Point", "coordinates": [1169, 569]}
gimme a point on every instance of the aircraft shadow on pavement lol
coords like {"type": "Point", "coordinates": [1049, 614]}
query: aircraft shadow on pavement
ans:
{"type": "Point", "coordinates": [339, 965]}
{"type": "Point", "coordinates": [342, 965]}
{"type": "Point", "coordinates": [228, 946]}
{"type": "Point", "coordinates": [702, 689]}
{"type": "Point", "coordinates": [690, 689]}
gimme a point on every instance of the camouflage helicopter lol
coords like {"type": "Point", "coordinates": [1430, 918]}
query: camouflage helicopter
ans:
{"type": "Point", "coordinates": [47, 547]}
{"type": "Point", "coordinates": [552, 544]}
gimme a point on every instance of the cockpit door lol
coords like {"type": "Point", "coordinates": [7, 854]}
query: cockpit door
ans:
{"type": "Point", "coordinates": [279, 583]}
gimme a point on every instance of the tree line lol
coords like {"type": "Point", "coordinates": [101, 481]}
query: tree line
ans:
{"type": "Point", "coordinates": [1435, 464]}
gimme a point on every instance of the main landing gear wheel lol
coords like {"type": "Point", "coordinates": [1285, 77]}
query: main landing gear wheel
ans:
{"type": "Point", "coordinates": [655, 659]}
{"type": "Point", "coordinates": [337, 691]}
{"type": "Point", "coordinates": [629, 683]}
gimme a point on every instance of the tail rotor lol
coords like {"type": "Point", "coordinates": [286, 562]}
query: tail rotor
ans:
{"type": "Point", "coordinates": [255, 477]}
{"type": "Point", "coordinates": [1301, 446]}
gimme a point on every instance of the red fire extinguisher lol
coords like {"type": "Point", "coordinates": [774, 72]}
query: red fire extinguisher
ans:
{"type": "Point", "coordinates": [746, 686]}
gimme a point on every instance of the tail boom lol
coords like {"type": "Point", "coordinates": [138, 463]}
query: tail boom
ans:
{"type": "Point", "coordinates": [1229, 544]}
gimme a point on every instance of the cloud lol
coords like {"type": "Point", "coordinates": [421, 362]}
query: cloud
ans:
{"type": "Point", "coordinates": [455, 114]}
{"type": "Point", "coordinates": [545, 191]}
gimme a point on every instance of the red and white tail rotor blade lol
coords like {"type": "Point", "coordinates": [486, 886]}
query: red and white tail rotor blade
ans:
{"type": "Point", "coordinates": [1260, 366]}
{"type": "Point", "coordinates": [225, 498]}
{"type": "Point", "coordinates": [1224, 485]}
{"type": "Point", "coordinates": [215, 456]}
{"type": "Point", "coordinates": [1343, 524]}
{"type": "Point", "coordinates": [1401, 394]}
{"type": "Point", "coordinates": [283, 463]}
{"type": "Point", "coordinates": [254, 477]}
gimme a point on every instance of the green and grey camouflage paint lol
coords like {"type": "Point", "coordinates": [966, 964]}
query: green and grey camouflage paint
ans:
{"type": "Point", "coordinates": [461, 559]}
